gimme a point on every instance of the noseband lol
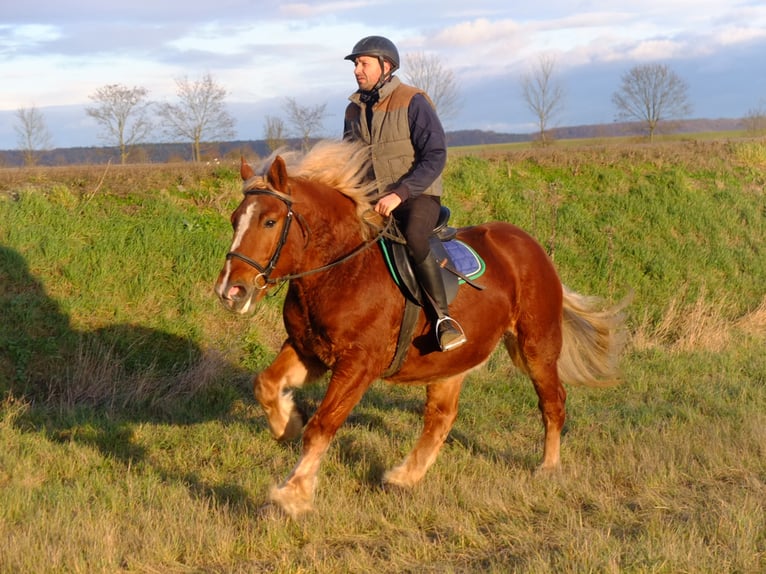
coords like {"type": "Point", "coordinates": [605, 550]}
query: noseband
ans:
{"type": "Point", "coordinates": [263, 279]}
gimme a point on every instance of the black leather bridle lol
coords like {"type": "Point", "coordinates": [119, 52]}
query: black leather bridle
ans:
{"type": "Point", "coordinates": [264, 273]}
{"type": "Point", "coordinates": [263, 280]}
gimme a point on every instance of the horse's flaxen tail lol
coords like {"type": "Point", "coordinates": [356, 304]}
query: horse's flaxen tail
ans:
{"type": "Point", "coordinates": [593, 338]}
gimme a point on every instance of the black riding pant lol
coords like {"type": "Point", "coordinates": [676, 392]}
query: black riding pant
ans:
{"type": "Point", "coordinates": [416, 219]}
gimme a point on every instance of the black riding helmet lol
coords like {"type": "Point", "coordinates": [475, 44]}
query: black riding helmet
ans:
{"type": "Point", "coordinates": [379, 47]}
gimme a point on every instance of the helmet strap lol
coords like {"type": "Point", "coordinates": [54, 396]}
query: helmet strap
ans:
{"type": "Point", "coordinates": [384, 77]}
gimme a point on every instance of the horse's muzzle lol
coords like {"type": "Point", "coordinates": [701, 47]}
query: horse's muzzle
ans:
{"type": "Point", "coordinates": [236, 297]}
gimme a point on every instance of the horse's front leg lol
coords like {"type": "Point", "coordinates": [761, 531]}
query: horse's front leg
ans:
{"type": "Point", "coordinates": [270, 386]}
{"type": "Point", "coordinates": [295, 496]}
{"type": "Point", "coordinates": [438, 418]}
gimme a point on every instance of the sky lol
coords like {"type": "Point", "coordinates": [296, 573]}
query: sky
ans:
{"type": "Point", "coordinates": [54, 54]}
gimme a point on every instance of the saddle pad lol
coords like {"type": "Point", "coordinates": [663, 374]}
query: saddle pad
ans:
{"type": "Point", "coordinates": [461, 258]}
{"type": "Point", "coordinates": [465, 259]}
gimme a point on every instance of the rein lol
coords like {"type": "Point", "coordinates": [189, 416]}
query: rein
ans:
{"type": "Point", "coordinates": [263, 280]}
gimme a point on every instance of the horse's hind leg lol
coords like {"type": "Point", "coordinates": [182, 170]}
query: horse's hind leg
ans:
{"type": "Point", "coordinates": [439, 416]}
{"type": "Point", "coordinates": [551, 401]}
{"type": "Point", "coordinates": [286, 371]}
{"type": "Point", "coordinates": [539, 360]}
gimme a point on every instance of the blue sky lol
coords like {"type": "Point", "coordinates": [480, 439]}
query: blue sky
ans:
{"type": "Point", "coordinates": [55, 53]}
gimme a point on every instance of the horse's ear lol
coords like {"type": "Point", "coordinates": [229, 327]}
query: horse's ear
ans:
{"type": "Point", "coordinates": [278, 175]}
{"type": "Point", "coordinates": [244, 169]}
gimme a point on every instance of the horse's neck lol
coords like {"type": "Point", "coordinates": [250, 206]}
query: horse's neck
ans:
{"type": "Point", "coordinates": [334, 230]}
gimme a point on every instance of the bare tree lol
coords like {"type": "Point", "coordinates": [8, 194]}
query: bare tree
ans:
{"type": "Point", "coordinates": [123, 115]}
{"type": "Point", "coordinates": [307, 121]}
{"type": "Point", "coordinates": [275, 132]}
{"type": "Point", "coordinates": [755, 120]}
{"type": "Point", "coordinates": [543, 95]}
{"type": "Point", "coordinates": [652, 93]}
{"type": "Point", "coordinates": [200, 115]}
{"type": "Point", "coordinates": [425, 71]}
{"type": "Point", "coordinates": [33, 134]}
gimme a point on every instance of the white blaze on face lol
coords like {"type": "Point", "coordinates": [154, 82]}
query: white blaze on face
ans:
{"type": "Point", "coordinates": [239, 234]}
{"type": "Point", "coordinates": [243, 226]}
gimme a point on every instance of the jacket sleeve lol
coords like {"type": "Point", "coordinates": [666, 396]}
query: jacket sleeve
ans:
{"type": "Point", "coordinates": [351, 122]}
{"type": "Point", "coordinates": [430, 144]}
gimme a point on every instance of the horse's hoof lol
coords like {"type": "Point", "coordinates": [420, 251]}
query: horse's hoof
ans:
{"type": "Point", "coordinates": [270, 511]}
{"type": "Point", "coordinates": [547, 471]}
{"type": "Point", "coordinates": [396, 479]}
{"type": "Point", "coordinates": [290, 501]}
{"type": "Point", "coordinates": [293, 428]}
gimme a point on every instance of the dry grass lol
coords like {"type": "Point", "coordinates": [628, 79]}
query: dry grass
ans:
{"type": "Point", "coordinates": [98, 377]}
{"type": "Point", "coordinates": [665, 474]}
{"type": "Point", "coordinates": [754, 323]}
{"type": "Point", "coordinates": [703, 326]}
{"type": "Point", "coordinates": [705, 154]}
{"type": "Point", "coordinates": [114, 179]}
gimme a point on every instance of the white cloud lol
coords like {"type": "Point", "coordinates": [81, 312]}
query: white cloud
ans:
{"type": "Point", "coordinates": [26, 37]}
{"type": "Point", "coordinates": [477, 32]}
{"type": "Point", "coordinates": [653, 50]}
{"type": "Point", "coordinates": [56, 53]}
{"type": "Point", "coordinates": [306, 10]}
{"type": "Point", "coordinates": [738, 35]}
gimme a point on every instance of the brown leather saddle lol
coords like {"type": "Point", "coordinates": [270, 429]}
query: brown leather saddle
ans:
{"type": "Point", "coordinates": [459, 263]}
{"type": "Point", "coordinates": [400, 265]}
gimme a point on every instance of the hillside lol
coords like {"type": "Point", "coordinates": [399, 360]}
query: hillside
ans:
{"type": "Point", "coordinates": [130, 440]}
{"type": "Point", "coordinates": [171, 152]}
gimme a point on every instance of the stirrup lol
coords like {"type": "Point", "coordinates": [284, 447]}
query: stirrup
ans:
{"type": "Point", "coordinates": [448, 326]}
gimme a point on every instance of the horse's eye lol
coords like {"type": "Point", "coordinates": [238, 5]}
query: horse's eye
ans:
{"type": "Point", "coordinates": [269, 223]}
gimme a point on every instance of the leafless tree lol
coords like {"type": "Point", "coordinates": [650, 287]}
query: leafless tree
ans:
{"type": "Point", "coordinates": [32, 132]}
{"type": "Point", "coordinates": [425, 71]}
{"type": "Point", "coordinates": [307, 121]}
{"type": "Point", "coordinates": [755, 120]}
{"type": "Point", "coordinates": [543, 95]}
{"type": "Point", "coordinates": [275, 132]}
{"type": "Point", "coordinates": [652, 93]}
{"type": "Point", "coordinates": [123, 114]}
{"type": "Point", "coordinates": [200, 115]}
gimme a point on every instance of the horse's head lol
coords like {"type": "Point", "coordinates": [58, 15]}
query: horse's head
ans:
{"type": "Point", "coordinates": [267, 249]}
{"type": "Point", "coordinates": [261, 224]}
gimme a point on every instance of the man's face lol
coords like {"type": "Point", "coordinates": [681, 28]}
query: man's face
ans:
{"type": "Point", "coordinates": [367, 71]}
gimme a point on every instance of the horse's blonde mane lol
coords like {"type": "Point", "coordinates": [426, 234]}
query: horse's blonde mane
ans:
{"type": "Point", "coordinates": [340, 164]}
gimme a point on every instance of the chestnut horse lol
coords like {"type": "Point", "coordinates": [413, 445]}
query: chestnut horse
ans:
{"type": "Point", "coordinates": [306, 220]}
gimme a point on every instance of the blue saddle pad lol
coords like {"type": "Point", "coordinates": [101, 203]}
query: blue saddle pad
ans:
{"type": "Point", "coordinates": [465, 259]}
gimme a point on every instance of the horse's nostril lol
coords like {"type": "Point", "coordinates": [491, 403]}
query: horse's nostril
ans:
{"type": "Point", "coordinates": [236, 292]}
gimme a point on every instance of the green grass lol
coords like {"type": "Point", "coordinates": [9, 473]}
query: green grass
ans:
{"type": "Point", "coordinates": [666, 223]}
{"type": "Point", "coordinates": [129, 439]}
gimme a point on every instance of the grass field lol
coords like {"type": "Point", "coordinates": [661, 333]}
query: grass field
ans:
{"type": "Point", "coordinates": [130, 442]}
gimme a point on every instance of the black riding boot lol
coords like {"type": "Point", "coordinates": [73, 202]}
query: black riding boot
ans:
{"type": "Point", "coordinates": [449, 334]}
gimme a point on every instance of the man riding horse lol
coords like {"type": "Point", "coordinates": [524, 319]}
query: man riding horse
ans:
{"type": "Point", "coordinates": [409, 150]}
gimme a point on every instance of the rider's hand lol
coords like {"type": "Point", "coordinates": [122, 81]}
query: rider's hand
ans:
{"type": "Point", "coordinates": [387, 204]}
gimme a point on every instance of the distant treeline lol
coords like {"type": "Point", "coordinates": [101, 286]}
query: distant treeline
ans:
{"type": "Point", "coordinates": [182, 152]}
{"type": "Point", "coordinates": [144, 153]}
